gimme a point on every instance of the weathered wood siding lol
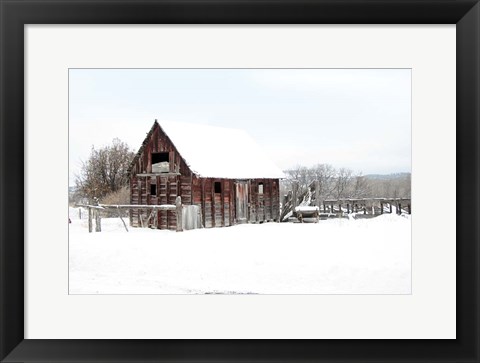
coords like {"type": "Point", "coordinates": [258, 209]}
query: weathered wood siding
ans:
{"type": "Point", "coordinates": [217, 208]}
{"type": "Point", "coordinates": [264, 206]}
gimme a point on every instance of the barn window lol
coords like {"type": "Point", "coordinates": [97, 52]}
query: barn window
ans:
{"type": "Point", "coordinates": [160, 162]}
{"type": "Point", "coordinates": [218, 187]}
{"type": "Point", "coordinates": [153, 189]}
{"type": "Point", "coordinates": [260, 188]}
{"type": "Point", "coordinates": [160, 157]}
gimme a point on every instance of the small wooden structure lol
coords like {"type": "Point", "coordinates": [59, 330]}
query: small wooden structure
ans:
{"type": "Point", "coordinates": [307, 212]}
{"type": "Point", "coordinates": [219, 170]}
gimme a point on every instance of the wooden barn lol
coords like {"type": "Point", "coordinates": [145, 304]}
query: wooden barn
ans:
{"type": "Point", "coordinates": [221, 171]}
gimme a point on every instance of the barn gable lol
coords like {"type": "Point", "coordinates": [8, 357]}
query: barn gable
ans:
{"type": "Point", "coordinates": [157, 148]}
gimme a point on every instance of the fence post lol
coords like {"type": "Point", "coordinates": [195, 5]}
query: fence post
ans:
{"type": "Point", "coordinates": [98, 221]}
{"type": "Point", "coordinates": [89, 220]}
{"type": "Point", "coordinates": [178, 205]}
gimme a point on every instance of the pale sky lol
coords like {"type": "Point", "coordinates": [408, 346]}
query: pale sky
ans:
{"type": "Point", "coordinates": [354, 118]}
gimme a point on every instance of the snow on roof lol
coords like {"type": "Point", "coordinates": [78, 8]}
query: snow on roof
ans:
{"type": "Point", "coordinates": [220, 152]}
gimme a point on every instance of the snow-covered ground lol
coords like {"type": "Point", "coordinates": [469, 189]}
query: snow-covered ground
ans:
{"type": "Point", "coordinates": [337, 256]}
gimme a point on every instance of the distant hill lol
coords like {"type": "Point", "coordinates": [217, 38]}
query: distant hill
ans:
{"type": "Point", "coordinates": [392, 176]}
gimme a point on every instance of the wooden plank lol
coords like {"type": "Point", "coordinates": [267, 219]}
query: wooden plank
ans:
{"type": "Point", "coordinates": [249, 198]}
{"type": "Point", "coordinates": [213, 202]}
{"type": "Point", "coordinates": [90, 206]}
{"type": "Point", "coordinates": [191, 188]}
{"type": "Point", "coordinates": [178, 204]}
{"type": "Point", "coordinates": [148, 190]}
{"type": "Point", "coordinates": [157, 174]}
{"type": "Point", "coordinates": [137, 206]}
{"type": "Point", "coordinates": [231, 203]}
{"type": "Point", "coordinates": [171, 161]}
{"type": "Point", "coordinates": [167, 192]}
{"type": "Point", "coordinates": [130, 214]}
{"type": "Point", "coordinates": [204, 216]}
{"type": "Point", "coordinates": [222, 206]}
{"type": "Point", "coordinates": [271, 198]}
{"type": "Point", "coordinates": [264, 197]}
{"type": "Point", "coordinates": [149, 157]}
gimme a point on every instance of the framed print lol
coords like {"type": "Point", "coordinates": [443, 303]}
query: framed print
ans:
{"type": "Point", "coordinates": [408, 72]}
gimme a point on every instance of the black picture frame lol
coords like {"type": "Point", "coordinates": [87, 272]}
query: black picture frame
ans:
{"type": "Point", "coordinates": [15, 14]}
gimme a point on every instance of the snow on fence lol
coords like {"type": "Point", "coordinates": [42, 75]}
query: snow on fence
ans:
{"type": "Point", "coordinates": [94, 213]}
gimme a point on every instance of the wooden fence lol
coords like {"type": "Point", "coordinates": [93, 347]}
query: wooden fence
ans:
{"type": "Point", "coordinates": [366, 206]}
{"type": "Point", "coordinates": [94, 213]}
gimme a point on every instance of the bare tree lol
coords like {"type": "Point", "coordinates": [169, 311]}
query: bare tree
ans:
{"type": "Point", "coordinates": [360, 187]}
{"type": "Point", "coordinates": [105, 171]}
{"type": "Point", "coordinates": [325, 174]}
{"type": "Point", "coordinates": [300, 174]}
{"type": "Point", "coordinates": [342, 183]}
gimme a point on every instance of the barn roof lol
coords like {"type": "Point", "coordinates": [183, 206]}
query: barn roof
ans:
{"type": "Point", "coordinates": [219, 152]}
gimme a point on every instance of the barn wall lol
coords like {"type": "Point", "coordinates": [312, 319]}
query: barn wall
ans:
{"type": "Point", "coordinates": [217, 208]}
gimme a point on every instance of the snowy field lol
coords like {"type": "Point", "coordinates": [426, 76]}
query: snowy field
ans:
{"type": "Point", "coordinates": [337, 256]}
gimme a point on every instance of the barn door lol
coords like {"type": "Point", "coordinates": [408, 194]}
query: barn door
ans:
{"type": "Point", "coordinates": [241, 201]}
